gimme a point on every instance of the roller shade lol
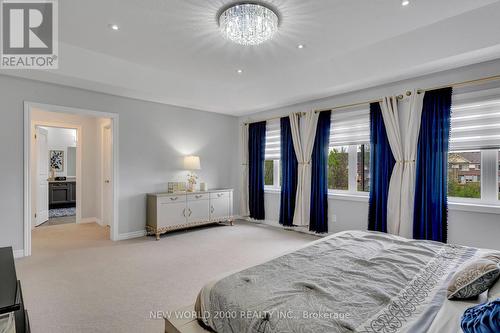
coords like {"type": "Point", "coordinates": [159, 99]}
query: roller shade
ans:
{"type": "Point", "coordinates": [273, 142]}
{"type": "Point", "coordinates": [350, 126]}
{"type": "Point", "coordinates": [475, 120]}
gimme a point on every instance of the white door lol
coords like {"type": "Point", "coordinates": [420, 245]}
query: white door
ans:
{"type": "Point", "coordinates": [42, 166]}
{"type": "Point", "coordinates": [107, 166]}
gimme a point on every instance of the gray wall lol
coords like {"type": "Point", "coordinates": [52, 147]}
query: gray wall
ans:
{"type": "Point", "coordinates": [152, 137]}
{"type": "Point", "coordinates": [465, 227]}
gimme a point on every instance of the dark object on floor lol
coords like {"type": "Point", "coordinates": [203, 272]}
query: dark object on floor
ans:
{"type": "Point", "coordinates": [60, 178]}
{"type": "Point", "coordinates": [61, 212]}
{"type": "Point", "coordinates": [11, 297]}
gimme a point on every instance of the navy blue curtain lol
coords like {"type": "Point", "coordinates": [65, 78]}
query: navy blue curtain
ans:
{"type": "Point", "coordinates": [381, 164]}
{"type": "Point", "coordinates": [319, 179]}
{"type": "Point", "coordinates": [256, 155]}
{"type": "Point", "coordinates": [430, 219]}
{"type": "Point", "coordinates": [288, 174]}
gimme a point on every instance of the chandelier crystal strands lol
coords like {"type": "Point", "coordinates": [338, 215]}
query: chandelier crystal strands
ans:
{"type": "Point", "coordinates": [248, 23]}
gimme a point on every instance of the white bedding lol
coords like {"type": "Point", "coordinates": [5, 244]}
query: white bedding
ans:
{"type": "Point", "coordinates": [386, 283]}
{"type": "Point", "coordinates": [448, 317]}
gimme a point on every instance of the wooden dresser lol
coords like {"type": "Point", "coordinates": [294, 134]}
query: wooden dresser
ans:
{"type": "Point", "coordinates": [168, 211]}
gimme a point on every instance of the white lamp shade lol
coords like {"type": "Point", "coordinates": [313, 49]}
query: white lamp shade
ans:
{"type": "Point", "coordinates": [192, 163]}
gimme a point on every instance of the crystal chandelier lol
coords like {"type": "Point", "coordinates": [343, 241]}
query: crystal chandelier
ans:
{"type": "Point", "coordinates": [248, 23]}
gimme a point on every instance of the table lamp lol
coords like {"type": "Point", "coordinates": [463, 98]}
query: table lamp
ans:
{"type": "Point", "coordinates": [192, 163]}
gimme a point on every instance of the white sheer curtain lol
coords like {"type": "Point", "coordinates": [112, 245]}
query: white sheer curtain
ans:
{"type": "Point", "coordinates": [412, 130]}
{"type": "Point", "coordinates": [244, 171]}
{"type": "Point", "coordinates": [389, 106]}
{"type": "Point", "coordinates": [403, 138]}
{"type": "Point", "coordinates": [303, 143]}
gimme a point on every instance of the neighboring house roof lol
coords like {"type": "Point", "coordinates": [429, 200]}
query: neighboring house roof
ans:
{"type": "Point", "coordinates": [457, 159]}
{"type": "Point", "coordinates": [465, 158]}
{"type": "Point", "coordinates": [474, 158]}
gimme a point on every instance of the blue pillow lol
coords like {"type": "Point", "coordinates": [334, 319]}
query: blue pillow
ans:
{"type": "Point", "coordinates": [483, 318]}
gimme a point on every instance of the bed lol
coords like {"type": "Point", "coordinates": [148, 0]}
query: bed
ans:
{"type": "Point", "coordinates": [353, 281]}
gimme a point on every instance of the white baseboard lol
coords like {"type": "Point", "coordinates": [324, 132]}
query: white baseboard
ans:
{"type": "Point", "coordinates": [18, 253]}
{"type": "Point", "coordinates": [276, 224]}
{"type": "Point", "coordinates": [130, 235]}
{"type": "Point", "coordinates": [89, 220]}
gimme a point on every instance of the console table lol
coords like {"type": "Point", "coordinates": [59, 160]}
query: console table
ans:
{"type": "Point", "coordinates": [13, 316]}
{"type": "Point", "coordinates": [169, 211]}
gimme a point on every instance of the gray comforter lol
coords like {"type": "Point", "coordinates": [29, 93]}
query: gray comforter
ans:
{"type": "Point", "coordinates": [349, 282]}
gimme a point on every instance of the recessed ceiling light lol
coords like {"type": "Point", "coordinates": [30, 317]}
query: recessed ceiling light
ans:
{"type": "Point", "coordinates": [300, 46]}
{"type": "Point", "coordinates": [239, 71]}
{"type": "Point", "coordinates": [405, 2]}
{"type": "Point", "coordinates": [114, 27]}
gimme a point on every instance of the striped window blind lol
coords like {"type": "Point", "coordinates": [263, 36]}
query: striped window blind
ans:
{"type": "Point", "coordinates": [273, 142]}
{"type": "Point", "coordinates": [475, 120]}
{"type": "Point", "coordinates": [350, 126]}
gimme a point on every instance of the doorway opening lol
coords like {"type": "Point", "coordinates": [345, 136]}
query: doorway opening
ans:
{"type": "Point", "coordinates": [71, 171]}
{"type": "Point", "coordinates": [57, 158]}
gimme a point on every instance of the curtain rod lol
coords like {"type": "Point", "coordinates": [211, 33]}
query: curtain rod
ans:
{"type": "Point", "coordinates": [463, 83]}
{"type": "Point", "coordinates": [408, 93]}
{"type": "Point", "coordinates": [419, 91]}
{"type": "Point", "coordinates": [349, 105]}
{"type": "Point", "coordinates": [272, 118]}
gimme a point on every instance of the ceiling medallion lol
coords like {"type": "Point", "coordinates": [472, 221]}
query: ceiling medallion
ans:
{"type": "Point", "coordinates": [248, 23]}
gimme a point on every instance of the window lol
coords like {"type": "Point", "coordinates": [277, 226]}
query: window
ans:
{"type": "Point", "coordinates": [338, 168]}
{"type": "Point", "coordinates": [363, 175]}
{"type": "Point", "coordinates": [464, 181]}
{"type": "Point", "coordinates": [473, 160]}
{"type": "Point", "coordinates": [272, 177]}
{"type": "Point", "coordinates": [269, 173]}
{"type": "Point", "coordinates": [349, 153]}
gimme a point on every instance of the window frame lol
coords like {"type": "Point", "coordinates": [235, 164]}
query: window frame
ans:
{"type": "Point", "coordinates": [276, 187]}
{"type": "Point", "coordinates": [489, 180]}
{"type": "Point", "coordinates": [348, 171]}
{"type": "Point", "coordinates": [352, 171]}
{"type": "Point", "coordinates": [273, 128]}
{"type": "Point", "coordinates": [467, 107]}
{"type": "Point", "coordinates": [362, 162]}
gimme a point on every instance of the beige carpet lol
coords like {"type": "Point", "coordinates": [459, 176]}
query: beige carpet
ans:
{"type": "Point", "coordinates": [78, 281]}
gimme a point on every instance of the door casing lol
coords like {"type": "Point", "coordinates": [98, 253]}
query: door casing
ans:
{"type": "Point", "coordinates": [28, 179]}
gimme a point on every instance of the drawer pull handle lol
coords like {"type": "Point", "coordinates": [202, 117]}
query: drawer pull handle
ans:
{"type": "Point", "coordinates": [190, 212]}
{"type": "Point", "coordinates": [184, 212]}
{"type": "Point", "coordinates": [173, 199]}
{"type": "Point", "coordinates": [198, 196]}
{"type": "Point", "coordinates": [212, 209]}
{"type": "Point", "coordinates": [220, 195]}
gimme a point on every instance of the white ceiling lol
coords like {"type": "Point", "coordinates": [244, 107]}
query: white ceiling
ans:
{"type": "Point", "coordinates": [170, 51]}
